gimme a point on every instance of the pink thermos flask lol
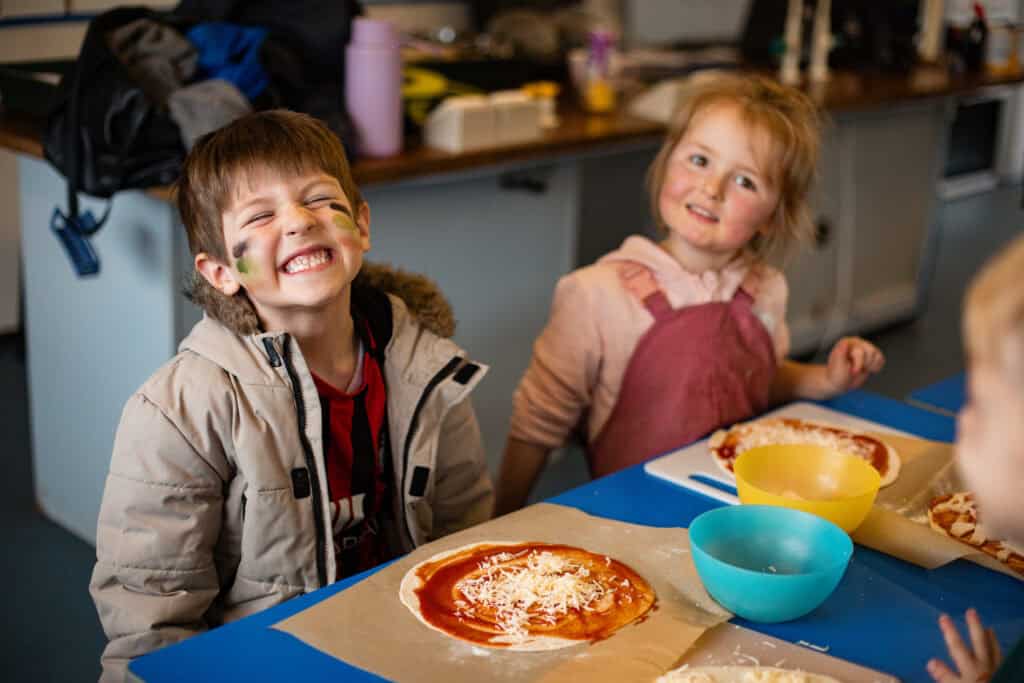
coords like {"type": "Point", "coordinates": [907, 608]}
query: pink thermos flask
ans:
{"type": "Point", "coordinates": [373, 82]}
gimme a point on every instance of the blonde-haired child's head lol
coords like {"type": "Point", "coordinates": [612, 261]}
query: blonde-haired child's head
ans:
{"type": "Point", "coordinates": [990, 434]}
{"type": "Point", "coordinates": [993, 319]}
{"type": "Point", "coordinates": [784, 120]}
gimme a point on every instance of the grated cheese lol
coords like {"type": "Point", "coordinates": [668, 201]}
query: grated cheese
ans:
{"type": "Point", "coordinates": [776, 432]}
{"type": "Point", "coordinates": [539, 590]}
{"type": "Point", "coordinates": [968, 528]}
{"type": "Point", "coordinates": [741, 674]}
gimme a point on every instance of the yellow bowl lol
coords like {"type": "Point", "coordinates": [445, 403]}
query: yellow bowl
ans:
{"type": "Point", "coordinates": [825, 482]}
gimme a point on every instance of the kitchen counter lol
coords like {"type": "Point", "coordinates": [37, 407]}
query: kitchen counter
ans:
{"type": "Point", "coordinates": [580, 132]}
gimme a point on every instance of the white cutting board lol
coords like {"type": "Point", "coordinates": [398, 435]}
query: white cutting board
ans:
{"type": "Point", "coordinates": [679, 466]}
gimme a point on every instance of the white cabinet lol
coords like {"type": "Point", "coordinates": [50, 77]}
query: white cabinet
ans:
{"type": "Point", "coordinates": [92, 341]}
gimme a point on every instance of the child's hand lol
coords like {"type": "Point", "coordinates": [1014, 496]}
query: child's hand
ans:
{"type": "Point", "coordinates": [851, 361]}
{"type": "Point", "coordinates": [974, 666]}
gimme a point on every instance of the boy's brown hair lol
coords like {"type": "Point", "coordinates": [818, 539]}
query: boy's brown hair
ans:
{"type": "Point", "coordinates": [789, 122]}
{"type": "Point", "coordinates": [993, 320]}
{"type": "Point", "coordinates": [280, 141]}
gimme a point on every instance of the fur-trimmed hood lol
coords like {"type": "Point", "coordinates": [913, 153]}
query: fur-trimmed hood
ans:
{"type": "Point", "coordinates": [420, 294]}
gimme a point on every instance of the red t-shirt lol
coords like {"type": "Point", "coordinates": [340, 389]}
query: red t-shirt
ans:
{"type": "Point", "coordinates": [356, 476]}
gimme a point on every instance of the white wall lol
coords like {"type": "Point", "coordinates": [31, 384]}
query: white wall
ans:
{"type": "Point", "coordinates": [962, 11]}
{"type": "Point", "coordinates": [421, 17]}
{"type": "Point", "coordinates": [23, 8]}
{"type": "Point", "coordinates": [10, 228]}
{"type": "Point", "coordinates": [653, 22]}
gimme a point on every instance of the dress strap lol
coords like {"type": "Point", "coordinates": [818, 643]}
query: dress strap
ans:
{"type": "Point", "coordinates": [639, 281]}
{"type": "Point", "coordinates": [751, 285]}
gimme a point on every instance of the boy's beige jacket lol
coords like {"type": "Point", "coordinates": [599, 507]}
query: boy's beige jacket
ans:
{"type": "Point", "coordinates": [200, 522]}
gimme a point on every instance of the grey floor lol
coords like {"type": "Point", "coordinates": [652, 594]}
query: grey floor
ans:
{"type": "Point", "coordinates": [50, 631]}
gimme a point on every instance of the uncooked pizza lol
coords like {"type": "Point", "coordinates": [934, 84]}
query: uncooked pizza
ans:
{"type": "Point", "coordinates": [727, 444]}
{"type": "Point", "coordinates": [741, 674]}
{"type": "Point", "coordinates": [525, 596]}
{"type": "Point", "coordinates": [956, 515]}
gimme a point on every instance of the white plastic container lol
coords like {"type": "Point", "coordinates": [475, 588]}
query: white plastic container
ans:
{"type": "Point", "coordinates": [517, 117]}
{"type": "Point", "coordinates": [466, 122]}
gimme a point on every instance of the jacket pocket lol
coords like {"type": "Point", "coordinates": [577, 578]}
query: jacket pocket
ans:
{"type": "Point", "coordinates": [423, 514]}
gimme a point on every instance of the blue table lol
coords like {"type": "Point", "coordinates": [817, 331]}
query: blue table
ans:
{"type": "Point", "coordinates": [947, 396]}
{"type": "Point", "coordinates": [883, 614]}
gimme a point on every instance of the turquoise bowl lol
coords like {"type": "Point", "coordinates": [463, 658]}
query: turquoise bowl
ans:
{"type": "Point", "coordinates": [767, 563]}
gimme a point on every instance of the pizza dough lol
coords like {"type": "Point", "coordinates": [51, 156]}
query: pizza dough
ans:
{"type": "Point", "coordinates": [727, 444]}
{"type": "Point", "coordinates": [525, 596]}
{"type": "Point", "coordinates": [741, 674]}
{"type": "Point", "coordinates": [956, 515]}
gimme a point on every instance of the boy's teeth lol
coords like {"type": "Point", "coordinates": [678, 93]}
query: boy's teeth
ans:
{"type": "Point", "coordinates": [305, 262]}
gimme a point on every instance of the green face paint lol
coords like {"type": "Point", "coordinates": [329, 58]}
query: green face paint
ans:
{"type": "Point", "coordinates": [243, 266]}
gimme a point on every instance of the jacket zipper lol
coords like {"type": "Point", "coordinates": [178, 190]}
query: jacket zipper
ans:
{"type": "Point", "coordinates": [441, 375]}
{"type": "Point", "coordinates": [314, 478]}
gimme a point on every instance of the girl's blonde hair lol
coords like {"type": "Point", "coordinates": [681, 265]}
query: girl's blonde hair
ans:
{"type": "Point", "coordinates": [791, 125]}
{"type": "Point", "coordinates": [993, 320]}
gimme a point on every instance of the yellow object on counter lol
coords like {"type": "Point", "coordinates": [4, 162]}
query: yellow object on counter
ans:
{"type": "Point", "coordinates": [1001, 52]}
{"type": "Point", "coordinates": [423, 89]}
{"type": "Point", "coordinates": [599, 96]}
{"type": "Point", "coordinates": [544, 92]}
{"type": "Point", "coordinates": [542, 89]}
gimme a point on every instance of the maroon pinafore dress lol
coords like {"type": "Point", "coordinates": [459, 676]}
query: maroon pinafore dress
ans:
{"type": "Point", "coordinates": [696, 369]}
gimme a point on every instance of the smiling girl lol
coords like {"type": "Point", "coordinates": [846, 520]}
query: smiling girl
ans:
{"type": "Point", "coordinates": [658, 343]}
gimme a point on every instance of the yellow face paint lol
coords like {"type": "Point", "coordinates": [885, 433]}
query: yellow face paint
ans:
{"type": "Point", "coordinates": [344, 221]}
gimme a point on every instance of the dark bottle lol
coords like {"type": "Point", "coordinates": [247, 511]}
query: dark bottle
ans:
{"type": "Point", "coordinates": [976, 40]}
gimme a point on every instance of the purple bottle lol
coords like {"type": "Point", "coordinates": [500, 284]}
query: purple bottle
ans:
{"type": "Point", "coordinates": [373, 81]}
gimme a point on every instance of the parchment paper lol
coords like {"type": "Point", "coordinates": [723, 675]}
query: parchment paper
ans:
{"type": "Point", "coordinates": [731, 644]}
{"type": "Point", "coordinates": [898, 523]}
{"type": "Point", "coordinates": [368, 626]}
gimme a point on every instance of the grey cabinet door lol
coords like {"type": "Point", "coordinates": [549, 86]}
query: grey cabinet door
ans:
{"type": "Point", "coordinates": [877, 195]}
{"type": "Point", "coordinates": [896, 158]}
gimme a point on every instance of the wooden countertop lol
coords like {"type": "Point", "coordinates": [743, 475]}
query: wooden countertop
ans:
{"type": "Point", "coordinates": [852, 91]}
{"type": "Point", "coordinates": [579, 132]}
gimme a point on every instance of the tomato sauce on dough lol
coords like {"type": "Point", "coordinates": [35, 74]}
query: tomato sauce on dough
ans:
{"type": "Point", "coordinates": [607, 594]}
